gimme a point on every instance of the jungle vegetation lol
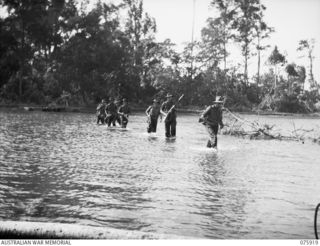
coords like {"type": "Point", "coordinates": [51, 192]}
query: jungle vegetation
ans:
{"type": "Point", "coordinates": [58, 51]}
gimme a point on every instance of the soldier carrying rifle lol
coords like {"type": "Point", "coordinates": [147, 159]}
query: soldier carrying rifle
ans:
{"type": "Point", "coordinates": [168, 109]}
{"type": "Point", "coordinates": [211, 118]}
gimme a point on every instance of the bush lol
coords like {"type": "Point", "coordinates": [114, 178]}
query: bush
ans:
{"type": "Point", "coordinates": [289, 104]}
{"type": "Point", "coordinates": [253, 94]}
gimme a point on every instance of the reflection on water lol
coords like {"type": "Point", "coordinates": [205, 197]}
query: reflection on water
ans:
{"type": "Point", "coordinates": [62, 167]}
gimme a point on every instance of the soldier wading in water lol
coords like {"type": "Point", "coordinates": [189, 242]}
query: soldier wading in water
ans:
{"type": "Point", "coordinates": [101, 112]}
{"type": "Point", "coordinates": [123, 113]}
{"type": "Point", "coordinates": [170, 114]}
{"type": "Point", "coordinates": [153, 113]}
{"type": "Point", "coordinates": [111, 112]}
{"type": "Point", "coordinates": [211, 118]}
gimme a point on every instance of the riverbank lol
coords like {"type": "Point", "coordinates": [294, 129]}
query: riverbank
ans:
{"type": "Point", "coordinates": [42, 230]}
{"type": "Point", "coordinates": [140, 108]}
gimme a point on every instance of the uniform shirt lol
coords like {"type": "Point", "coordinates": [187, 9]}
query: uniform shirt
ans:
{"type": "Point", "coordinates": [153, 111]}
{"type": "Point", "coordinates": [166, 106]}
{"type": "Point", "coordinates": [111, 108]}
{"type": "Point", "coordinates": [213, 114]}
{"type": "Point", "coordinates": [125, 109]}
{"type": "Point", "coordinates": [101, 108]}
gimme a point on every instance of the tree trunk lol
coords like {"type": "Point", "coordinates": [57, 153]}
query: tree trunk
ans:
{"type": "Point", "coordinates": [311, 73]}
{"type": "Point", "coordinates": [224, 55]}
{"type": "Point", "coordinates": [259, 60]}
{"type": "Point", "coordinates": [289, 85]}
{"type": "Point", "coordinates": [275, 78]}
{"type": "Point", "coordinates": [258, 73]}
{"type": "Point", "coordinates": [224, 48]}
{"type": "Point", "coordinates": [246, 65]}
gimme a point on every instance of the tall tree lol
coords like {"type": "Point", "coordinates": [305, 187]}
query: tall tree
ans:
{"type": "Point", "coordinates": [191, 59]}
{"type": "Point", "coordinates": [92, 61]}
{"type": "Point", "coordinates": [292, 74]}
{"type": "Point", "coordinates": [9, 56]}
{"type": "Point", "coordinates": [140, 29]}
{"type": "Point", "coordinates": [219, 31]}
{"type": "Point", "coordinates": [22, 17]}
{"type": "Point", "coordinates": [301, 70]}
{"type": "Point", "coordinates": [263, 31]}
{"type": "Point", "coordinates": [32, 23]}
{"type": "Point", "coordinates": [276, 59]}
{"type": "Point", "coordinates": [248, 15]}
{"type": "Point", "coordinates": [308, 46]}
{"type": "Point", "coordinates": [213, 44]}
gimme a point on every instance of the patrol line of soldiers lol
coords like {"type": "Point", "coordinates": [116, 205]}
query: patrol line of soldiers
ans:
{"type": "Point", "coordinates": [113, 112]}
{"type": "Point", "coordinates": [211, 118]}
{"type": "Point", "coordinates": [167, 110]}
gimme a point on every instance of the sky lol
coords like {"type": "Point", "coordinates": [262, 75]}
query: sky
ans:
{"type": "Point", "coordinates": [293, 20]}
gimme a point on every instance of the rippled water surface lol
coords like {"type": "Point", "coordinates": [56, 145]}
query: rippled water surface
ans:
{"type": "Point", "coordinates": [62, 167]}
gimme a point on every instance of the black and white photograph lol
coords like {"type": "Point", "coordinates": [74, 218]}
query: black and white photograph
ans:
{"type": "Point", "coordinates": [159, 120]}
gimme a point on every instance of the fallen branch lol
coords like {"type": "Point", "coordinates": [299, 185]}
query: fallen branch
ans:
{"type": "Point", "coordinates": [237, 126]}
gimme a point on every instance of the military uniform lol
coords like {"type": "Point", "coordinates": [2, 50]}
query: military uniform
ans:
{"type": "Point", "coordinates": [212, 118]}
{"type": "Point", "coordinates": [101, 113]}
{"type": "Point", "coordinates": [111, 110]}
{"type": "Point", "coordinates": [124, 112]}
{"type": "Point", "coordinates": [153, 112]}
{"type": "Point", "coordinates": [171, 119]}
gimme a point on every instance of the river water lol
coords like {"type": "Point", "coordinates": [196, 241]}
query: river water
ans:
{"type": "Point", "coordinates": [62, 167]}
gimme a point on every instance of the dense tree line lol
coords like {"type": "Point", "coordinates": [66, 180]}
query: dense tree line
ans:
{"type": "Point", "coordinates": [58, 51]}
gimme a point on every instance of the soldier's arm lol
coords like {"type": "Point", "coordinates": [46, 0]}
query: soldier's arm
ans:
{"type": "Point", "coordinates": [205, 113]}
{"type": "Point", "coordinates": [119, 111]}
{"type": "Point", "coordinates": [220, 119]}
{"type": "Point", "coordinates": [106, 109]}
{"type": "Point", "coordinates": [148, 110]}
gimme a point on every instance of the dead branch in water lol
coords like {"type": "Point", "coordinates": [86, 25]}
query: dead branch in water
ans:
{"type": "Point", "coordinates": [237, 126]}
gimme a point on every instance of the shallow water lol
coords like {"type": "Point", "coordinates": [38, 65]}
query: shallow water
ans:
{"type": "Point", "coordinates": [62, 167]}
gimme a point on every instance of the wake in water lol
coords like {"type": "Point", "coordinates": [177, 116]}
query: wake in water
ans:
{"type": "Point", "coordinates": [203, 149]}
{"type": "Point", "coordinates": [116, 128]}
{"type": "Point", "coordinates": [222, 148]}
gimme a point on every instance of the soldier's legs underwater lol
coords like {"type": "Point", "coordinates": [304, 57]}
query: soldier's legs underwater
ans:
{"type": "Point", "coordinates": [170, 128]}
{"type": "Point", "coordinates": [173, 128]}
{"type": "Point", "coordinates": [117, 118]}
{"type": "Point", "coordinates": [167, 129]}
{"type": "Point", "coordinates": [114, 118]}
{"type": "Point", "coordinates": [213, 132]}
{"type": "Point", "coordinates": [154, 124]}
{"type": "Point", "coordinates": [123, 121]}
{"type": "Point", "coordinates": [100, 118]}
{"type": "Point", "coordinates": [152, 127]}
{"type": "Point", "coordinates": [109, 120]}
